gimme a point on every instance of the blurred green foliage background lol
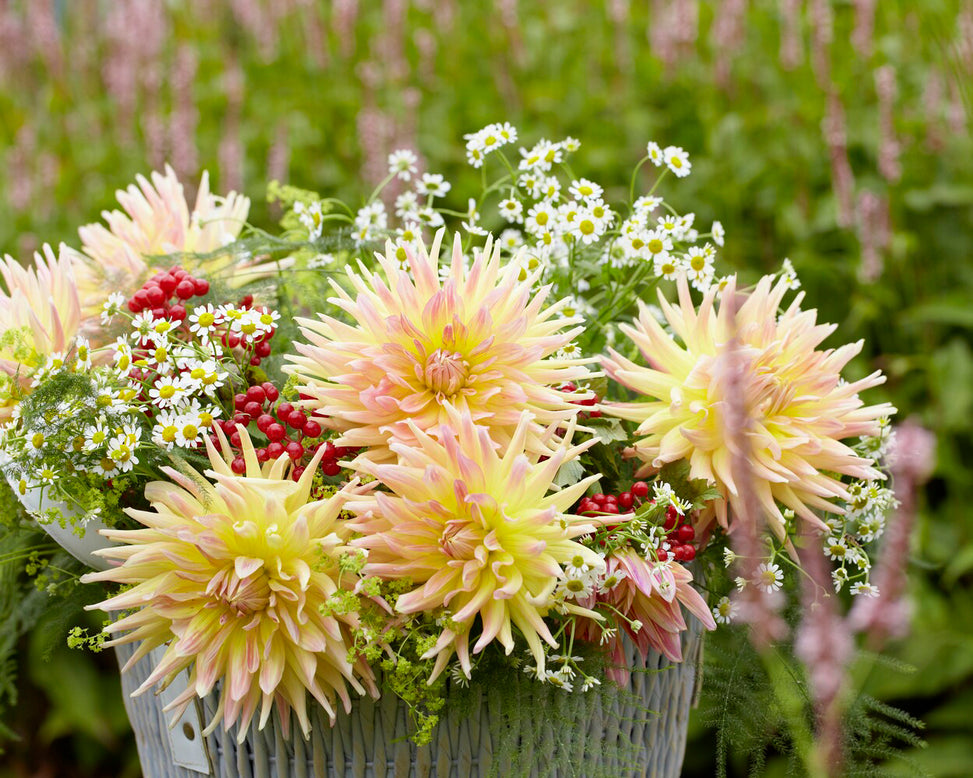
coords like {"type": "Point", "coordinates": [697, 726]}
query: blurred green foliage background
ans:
{"type": "Point", "coordinates": [833, 132]}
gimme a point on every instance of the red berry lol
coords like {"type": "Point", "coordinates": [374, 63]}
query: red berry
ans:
{"type": "Point", "coordinates": [200, 286]}
{"type": "Point", "coordinates": [235, 440]}
{"type": "Point", "coordinates": [253, 409]}
{"type": "Point", "coordinates": [611, 498]}
{"type": "Point", "coordinates": [228, 426]}
{"type": "Point", "coordinates": [294, 450]}
{"type": "Point", "coordinates": [247, 301]}
{"type": "Point", "coordinates": [284, 410]}
{"type": "Point", "coordinates": [262, 455]}
{"type": "Point", "coordinates": [684, 553]}
{"type": "Point", "coordinates": [609, 507]}
{"type": "Point", "coordinates": [141, 297]}
{"type": "Point", "coordinates": [599, 498]}
{"type": "Point", "coordinates": [274, 450]}
{"type": "Point", "coordinates": [239, 400]}
{"type": "Point", "coordinates": [331, 468]}
{"type": "Point", "coordinates": [569, 387]}
{"type": "Point", "coordinates": [312, 429]}
{"type": "Point", "coordinates": [256, 394]}
{"type": "Point", "coordinates": [640, 489]}
{"type": "Point", "coordinates": [232, 339]}
{"type": "Point", "coordinates": [685, 533]}
{"type": "Point", "coordinates": [330, 452]}
{"type": "Point", "coordinates": [297, 472]}
{"type": "Point", "coordinates": [275, 431]}
{"type": "Point", "coordinates": [168, 285]}
{"type": "Point", "coordinates": [238, 466]}
{"type": "Point", "coordinates": [264, 420]}
{"type": "Point", "coordinates": [154, 295]}
{"type": "Point", "coordinates": [255, 361]}
{"type": "Point", "coordinates": [134, 306]}
{"type": "Point", "coordinates": [271, 390]}
{"type": "Point", "coordinates": [263, 349]}
{"type": "Point", "coordinates": [625, 500]}
{"type": "Point", "coordinates": [672, 517]}
{"type": "Point", "coordinates": [159, 313]}
{"type": "Point", "coordinates": [241, 418]}
{"type": "Point", "coordinates": [177, 312]}
{"type": "Point", "coordinates": [594, 414]}
{"type": "Point", "coordinates": [296, 419]}
{"type": "Point", "coordinates": [662, 554]}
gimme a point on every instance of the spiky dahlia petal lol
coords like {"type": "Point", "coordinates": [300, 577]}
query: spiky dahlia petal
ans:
{"type": "Point", "coordinates": [230, 571]}
{"type": "Point", "coordinates": [41, 302]}
{"type": "Point", "coordinates": [799, 409]}
{"type": "Point", "coordinates": [475, 531]}
{"type": "Point", "coordinates": [155, 220]}
{"type": "Point", "coordinates": [480, 343]}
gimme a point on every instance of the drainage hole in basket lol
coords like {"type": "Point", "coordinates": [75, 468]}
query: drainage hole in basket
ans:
{"type": "Point", "coordinates": [188, 731]}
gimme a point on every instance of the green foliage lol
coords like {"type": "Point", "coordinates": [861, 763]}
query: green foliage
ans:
{"type": "Point", "coordinates": [744, 703]}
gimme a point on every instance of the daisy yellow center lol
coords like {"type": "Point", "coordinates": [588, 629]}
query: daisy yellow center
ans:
{"type": "Point", "coordinates": [446, 372]}
{"type": "Point", "coordinates": [655, 245]}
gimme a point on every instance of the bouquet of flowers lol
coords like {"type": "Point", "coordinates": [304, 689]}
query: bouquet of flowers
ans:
{"type": "Point", "coordinates": [385, 452]}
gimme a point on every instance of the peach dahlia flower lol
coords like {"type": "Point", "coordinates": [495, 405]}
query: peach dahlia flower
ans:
{"type": "Point", "coordinates": [41, 302]}
{"type": "Point", "coordinates": [651, 593]}
{"type": "Point", "coordinates": [156, 220]}
{"type": "Point", "coordinates": [231, 574]}
{"type": "Point", "coordinates": [479, 343]}
{"type": "Point", "coordinates": [477, 531]}
{"type": "Point", "coordinates": [798, 407]}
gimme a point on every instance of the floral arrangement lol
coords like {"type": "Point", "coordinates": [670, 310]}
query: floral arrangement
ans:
{"type": "Point", "coordinates": [369, 455]}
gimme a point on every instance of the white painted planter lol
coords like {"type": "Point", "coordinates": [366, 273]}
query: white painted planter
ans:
{"type": "Point", "coordinates": [81, 548]}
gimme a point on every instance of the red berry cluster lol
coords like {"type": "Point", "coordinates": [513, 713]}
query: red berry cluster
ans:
{"type": "Point", "coordinates": [288, 430]}
{"type": "Point", "coordinates": [588, 402]}
{"type": "Point", "coordinates": [679, 534]}
{"type": "Point", "coordinates": [157, 294]}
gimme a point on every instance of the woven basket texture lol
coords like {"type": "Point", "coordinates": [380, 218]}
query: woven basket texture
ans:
{"type": "Point", "coordinates": [638, 732]}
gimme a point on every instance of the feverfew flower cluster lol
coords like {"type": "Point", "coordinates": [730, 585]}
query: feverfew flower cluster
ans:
{"type": "Point", "coordinates": [161, 385]}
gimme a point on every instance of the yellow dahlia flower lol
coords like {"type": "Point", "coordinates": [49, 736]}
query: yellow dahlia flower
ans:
{"type": "Point", "coordinates": [480, 343]}
{"type": "Point", "coordinates": [477, 531]}
{"type": "Point", "coordinates": [39, 315]}
{"type": "Point", "coordinates": [156, 221]}
{"type": "Point", "coordinates": [231, 575]}
{"type": "Point", "coordinates": [798, 407]}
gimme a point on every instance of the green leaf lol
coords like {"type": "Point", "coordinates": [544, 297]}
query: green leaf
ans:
{"type": "Point", "coordinates": [569, 473]}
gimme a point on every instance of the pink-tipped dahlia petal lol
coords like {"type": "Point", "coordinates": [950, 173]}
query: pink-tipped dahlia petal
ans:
{"type": "Point", "coordinates": [235, 590]}
{"type": "Point", "coordinates": [799, 409]}
{"type": "Point", "coordinates": [156, 221]}
{"type": "Point", "coordinates": [477, 343]}
{"type": "Point", "coordinates": [40, 314]}
{"type": "Point", "coordinates": [487, 549]}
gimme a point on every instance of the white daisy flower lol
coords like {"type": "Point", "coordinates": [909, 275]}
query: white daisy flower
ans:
{"type": "Point", "coordinates": [865, 589]}
{"type": "Point", "coordinates": [725, 611]}
{"type": "Point", "coordinates": [654, 153]}
{"type": "Point", "coordinates": [433, 185]}
{"type": "Point", "coordinates": [112, 307]}
{"type": "Point", "coordinates": [511, 210]}
{"type": "Point", "coordinates": [402, 164]}
{"type": "Point", "coordinates": [407, 205]}
{"type": "Point", "coordinates": [677, 161]}
{"type": "Point", "coordinates": [769, 577]}
{"type": "Point", "coordinates": [584, 189]}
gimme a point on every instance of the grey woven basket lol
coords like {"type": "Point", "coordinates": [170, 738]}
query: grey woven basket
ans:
{"type": "Point", "coordinates": [610, 730]}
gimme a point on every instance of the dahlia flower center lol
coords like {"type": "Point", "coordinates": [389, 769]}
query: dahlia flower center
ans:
{"type": "Point", "coordinates": [460, 539]}
{"type": "Point", "coordinates": [244, 596]}
{"type": "Point", "coordinates": [446, 372]}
